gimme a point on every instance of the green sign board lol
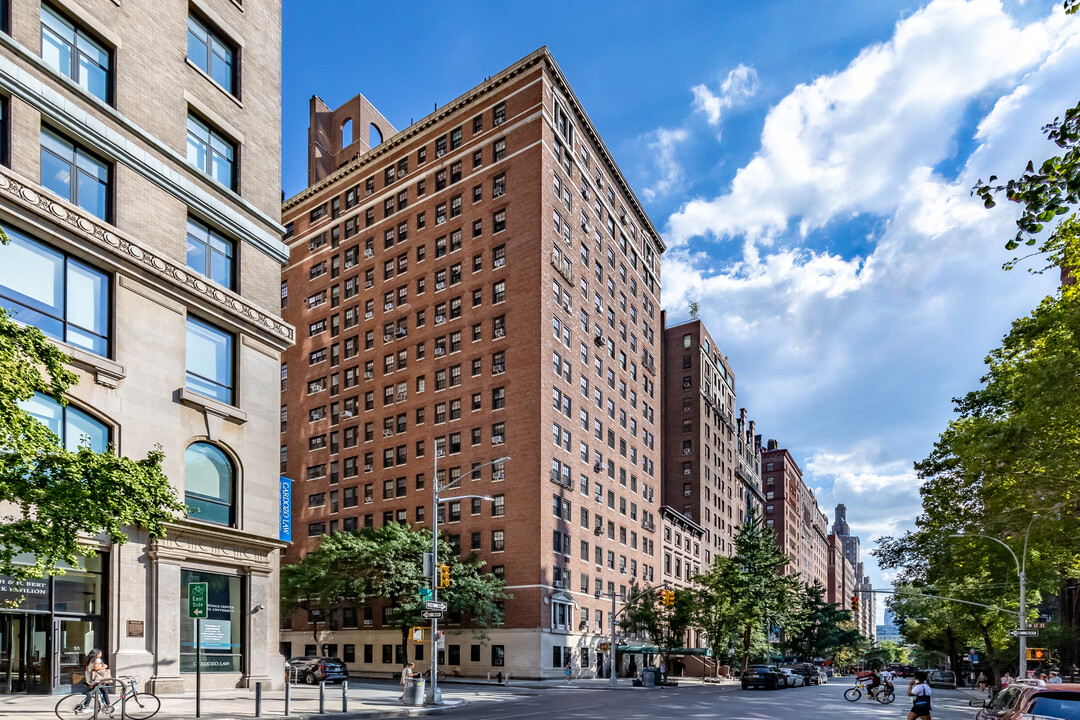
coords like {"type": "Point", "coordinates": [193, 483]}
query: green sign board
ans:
{"type": "Point", "coordinates": [425, 593]}
{"type": "Point", "coordinates": [196, 597]}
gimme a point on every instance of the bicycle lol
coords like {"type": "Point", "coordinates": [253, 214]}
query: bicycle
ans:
{"type": "Point", "coordinates": [884, 694]}
{"type": "Point", "coordinates": [132, 703]}
{"type": "Point", "coordinates": [427, 675]}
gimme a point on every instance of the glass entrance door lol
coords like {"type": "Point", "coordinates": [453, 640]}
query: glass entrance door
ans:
{"type": "Point", "coordinates": [75, 638]}
{"type": "Point", "coordinates": [24, 653]}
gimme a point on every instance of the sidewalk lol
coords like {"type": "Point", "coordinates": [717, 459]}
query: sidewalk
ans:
{"type": "Point", "coordinates": [365, 701]}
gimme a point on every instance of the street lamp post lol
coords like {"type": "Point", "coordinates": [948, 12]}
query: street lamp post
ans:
{"type": "Point", "coordinates": [1021, 567]}
{"type": "Point", "coordinates": [433, 691]}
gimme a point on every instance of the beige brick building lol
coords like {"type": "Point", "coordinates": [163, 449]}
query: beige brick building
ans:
{"type": "Point", "coordinates": [483, 283]}
{"type": "Point", "coordinates": [140, 188]}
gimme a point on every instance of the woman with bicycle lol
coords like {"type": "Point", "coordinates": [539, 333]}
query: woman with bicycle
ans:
{"type": "Point", "coordinates": [919, 690]}
{"type": "Point", "coordinates": [96, 671]}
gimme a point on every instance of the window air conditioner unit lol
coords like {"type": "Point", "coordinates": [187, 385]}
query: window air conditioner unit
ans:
{"type": "Point", "coordinates": [367, 468]}
{"type": "Point", "coordinates": [498, 192]}
{"type": "Point", "coordinates": [368, 315]}
{"type": "Point", "coordinates": [368, 501]}
{"type": "Point", "coordinates": [686, 451]}
{"type": "Point", "coordinates": [439, 352]}
{"type": "Point", "coordinates": [388, 306]}
{"type": "Point", "coordinates": [497, 475]}
{"type": "Point", "coordinates": [387, 433]}
{"type": "Point", "coordinates": [440, 286]}
{"type": "Point", "coordinates": [599, 531]}
{"type": "Point", "coordinates": [597, 467]}
{"type": "Point", "coordinates": [687, 471]}
{"type": "Point", "coordinates": [347, 413]}
{"type": "Point", "coordinates": [496, 439]}
{"type": "Point", "coordinates": [497, 369]}
{"type": "Point", "coordinates": [402, 332]}
{"type": "Point", "coordinates": [557, 583]}
{"type": "Point", "coordinates": [368, 252]}
{"type": "Point", "coordinates": [499, 121]}
{"type": "Point", "coordinates": [440, 153]}
{"type": "Point", "coordinates": [367, 622]}
{"type": "Point", "coordinates": [499, 332]}
{"type": "Point", "coordinates": [598, 340]}
{"type": "Point", "coordinates": [369, 375]}
{"type": "Point", "coordinates": [501, 262]}
{"type": "Point", "coordinates": [349, 264]}
{"type": "Point", "coordinates": [400, 173]}
{"type": "Point", "coordinates": [440, 219]}
{"type": "Point", "coordinates": [387, 338]}
{"type": "Point", "coordinates": [440, 319]}
{"type": "Point", "coordinates": [402, 396]}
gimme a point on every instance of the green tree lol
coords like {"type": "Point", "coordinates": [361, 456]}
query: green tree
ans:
{"type": "Point", "coordinates": [665, 626]}
{"type": "Point", "coordinates": [716, 610]}
{"type": "Point", "coordinates": [762, 593]}
{"type": "Point", "coordinates": [387, 562]}
{"type": "Point", "coordinates": [58, 496]}
{"type": "Point", "coordinates": [816, 628]}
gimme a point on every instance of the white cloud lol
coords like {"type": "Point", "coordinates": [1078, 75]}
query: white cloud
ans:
{"type": "Point", "coordinates": [846, 142]}
{"type": "Point", "coordinates": [739, 85]}
{"type": "Point", "coordinates": [849, 358]}
{"type": "Point", "coordinates": [662, 143]}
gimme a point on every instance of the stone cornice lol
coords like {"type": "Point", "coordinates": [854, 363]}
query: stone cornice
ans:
{"type": "Point", "coordinates": [269, 327]}
{"type": "Point", "coordinates": [188, 542]}
{"type": "Point", "coordinates": [186, 183]}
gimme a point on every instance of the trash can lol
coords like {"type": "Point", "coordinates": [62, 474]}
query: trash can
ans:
{"type": "Point", "coordinates": [648, 678]}
{"type": "Point", "coordinates": [414, 691]}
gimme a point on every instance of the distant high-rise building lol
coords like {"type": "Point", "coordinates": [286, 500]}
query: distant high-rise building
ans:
{"type": "Point", "coordinates": [792, 511]}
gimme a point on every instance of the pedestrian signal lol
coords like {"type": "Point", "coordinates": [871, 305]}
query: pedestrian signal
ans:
{"type": "Point", "coordinates": [1038, 654]}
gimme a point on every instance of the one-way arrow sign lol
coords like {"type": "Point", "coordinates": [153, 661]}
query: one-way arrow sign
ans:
{"type": "Point", "coordinates": [1024, 633]}
{"type": "Point", "coordinates": [435, 605]}
{"type": "Point", "coordinates": [431, 614]}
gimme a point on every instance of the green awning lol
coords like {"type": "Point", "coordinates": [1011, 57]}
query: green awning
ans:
{"type": "Point", "coordinates": [672, 651]}
{"type": "Point", "coordinates": [638, 649]}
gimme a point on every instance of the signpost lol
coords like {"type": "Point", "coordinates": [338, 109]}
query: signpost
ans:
{"type": "Point", "coordinates": [1024, 633]}
{"type": "Point", "coordinates": [435, 605]}
{"type": "Point", "coordinates": [196, 595]}
{"type": "Point", "coordinates": [431, 614]}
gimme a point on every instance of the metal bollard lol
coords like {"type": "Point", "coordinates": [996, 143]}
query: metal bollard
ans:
{"type": "Point", "coordinates": [344, 696]}
{"type": "Point", "coordinates": [288, 699]}
{"type": "Point", "coordinates": [322, 697]}
{"type": "Point", "coordinates": [258, 699]}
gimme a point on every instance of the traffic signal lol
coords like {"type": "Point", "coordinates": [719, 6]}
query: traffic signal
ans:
{"type": "Point", "coordinates": [1037, 654]}
{"type": "Point", "coordinates": [854, 602]}
{"type": "Point", "coordinates": [667, 598]}
{"type": "Point", "coordinates": [443, 579]}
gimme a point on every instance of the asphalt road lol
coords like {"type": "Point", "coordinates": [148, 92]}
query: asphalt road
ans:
{"type": "Point", "coordinates": [823, 702]}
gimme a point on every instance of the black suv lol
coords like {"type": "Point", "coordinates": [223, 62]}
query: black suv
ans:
{"type": "Point", "coordinates": [766, 676]}
{"type": "Point", "coordinates": [808, 671]}
{"type": "Point", "coordinates": [313, 670]}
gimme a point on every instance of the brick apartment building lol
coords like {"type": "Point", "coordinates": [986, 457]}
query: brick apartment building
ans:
{"type": "Point", "coordinates": [483, 283]}
{"type": "Point", "coordinates": [792, 511]}
{"type": "Point", "coordinates": [140, 192]}
{"type": "Point", "coordinates": [712, 457]}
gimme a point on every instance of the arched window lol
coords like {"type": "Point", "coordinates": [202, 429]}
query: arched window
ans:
{"type": "Point", "coordinates": [71, 425]}
{"type": "Point", "coordinates": [374, 135]}
{"type": "Point", "coordinates": [346, 133]}
{"type": "Point", "coordinates": [209, 486]}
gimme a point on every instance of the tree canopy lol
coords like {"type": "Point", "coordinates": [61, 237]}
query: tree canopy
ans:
{"type": "Point", "coordinates": [58, 497]}
{"type": "Point", "coordinates": [354, 568]}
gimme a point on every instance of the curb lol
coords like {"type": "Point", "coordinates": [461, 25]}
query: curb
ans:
{"type": "Point", "coordinates": [353, 715]}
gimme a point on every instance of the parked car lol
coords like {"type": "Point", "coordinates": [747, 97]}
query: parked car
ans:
{"type": "Point", "coordinates": [823, 675]}
{"type": "Point", "coordinates": [312, 670]}
{"type": "Point", "coordinates": [942, 679]}
{"type": "Point", "coordinates": [765, 676]}
{"type": "Point", "coordinates": [808, 671]}
{"type": "Point", "coordinates": [1027, 699]}
{"type": "Point", "coordinates": [792, 678]}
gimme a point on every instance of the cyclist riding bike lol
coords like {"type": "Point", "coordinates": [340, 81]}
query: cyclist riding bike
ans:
{"type": "Point", "coordinates": [873, 677]}
{"type": "Point", "coordinates": [887, 678]}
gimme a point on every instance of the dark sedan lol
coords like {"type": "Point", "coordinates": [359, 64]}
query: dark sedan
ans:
{"type": "Point", "coordinates": [312, 670]}
{"type": "Point", "coordinates": [766, 676]}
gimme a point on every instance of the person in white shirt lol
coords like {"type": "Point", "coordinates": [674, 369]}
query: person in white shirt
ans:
{"type": "Point", "coordinates": [1054, 678]}
{"type": "Point", "coordinates": [919, 691]}
{"type": "Point", "coordinates": [887, 677]}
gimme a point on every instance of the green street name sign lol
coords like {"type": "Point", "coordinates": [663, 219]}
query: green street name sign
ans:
{"type": "Point", "coordinates": [196, 596]}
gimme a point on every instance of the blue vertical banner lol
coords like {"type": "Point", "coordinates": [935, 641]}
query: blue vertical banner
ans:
{"type": "Point", "coordinates": [285, 510]}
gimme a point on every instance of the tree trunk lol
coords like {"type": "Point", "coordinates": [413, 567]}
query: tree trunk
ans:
{"type": "Point", "coordinates": [745, 648]}
{"type": "Point", "coordinates": [991, 655]}
{"type": "Point", "coordinates": [1069, 608]}
{"type": "Point", "coordinates": [950, 646]}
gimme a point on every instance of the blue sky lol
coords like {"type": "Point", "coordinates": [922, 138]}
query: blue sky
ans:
{"type": "Point", "coordinates": [810, 166]}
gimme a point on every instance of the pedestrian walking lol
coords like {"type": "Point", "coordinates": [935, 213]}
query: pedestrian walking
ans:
{"type": "Point", "coordinates": [96, 671]}
{"type": "Point", "coordinates": [982, 681]}
{"type": "Point", "coordinates": [973, 679]}
{"type": "Point", "coordinates": [1006, 679]}
{"type": "Point", "coordinates": [407, 674]}
{"type": "Point", "coordinates": [919, 691]}
{"type": "Point", "coordinates": [568, 671]}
